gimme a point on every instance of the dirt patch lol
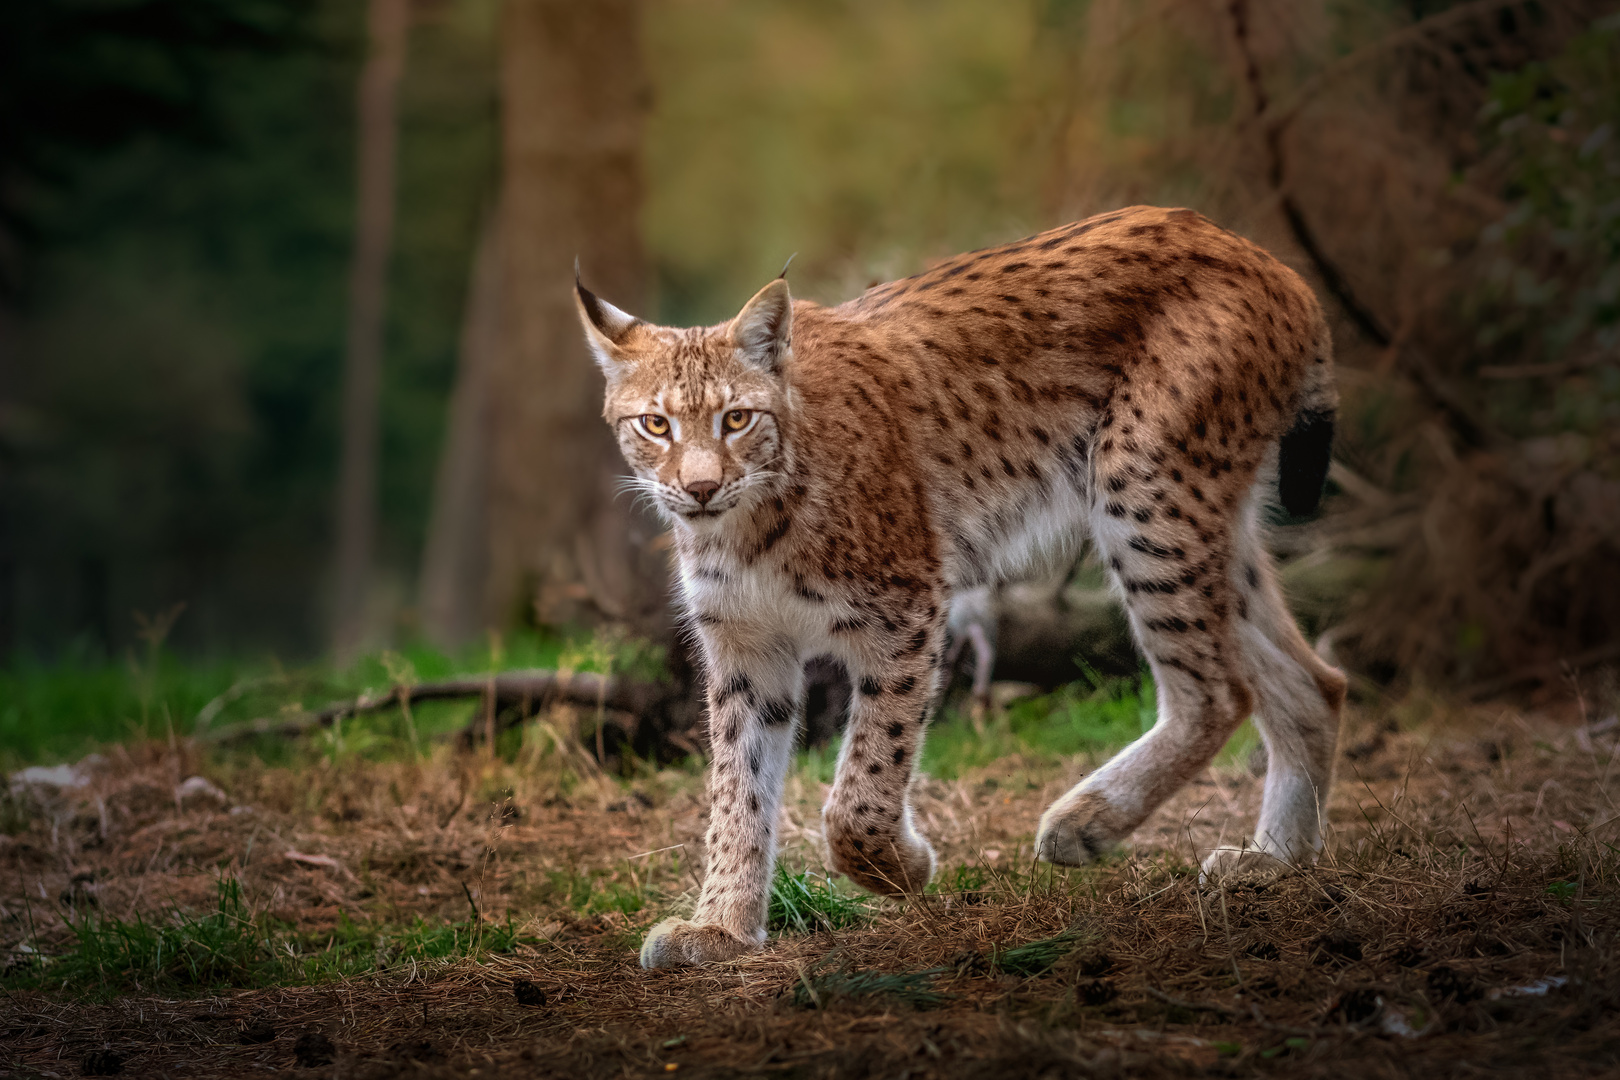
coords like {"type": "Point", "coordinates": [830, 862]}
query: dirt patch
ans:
{"type": "Point", "coordinates": [1462, 920]}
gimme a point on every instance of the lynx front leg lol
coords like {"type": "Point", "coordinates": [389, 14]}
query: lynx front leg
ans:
{"type": "Point", "coordinates": [754, 711]}
{"type": "Point", "coordinates": [868, 814]}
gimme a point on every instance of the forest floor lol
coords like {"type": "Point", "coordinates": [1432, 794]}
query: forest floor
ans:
{"type": "Point", "coordinates": [463, 915]}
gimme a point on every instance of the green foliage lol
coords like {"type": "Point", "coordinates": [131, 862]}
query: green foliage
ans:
{"type": "Point", "coordinates": [1095, 716]}
{"type": "Point", "coordinates": [232, 947]}
{"type": "Point", "coordinates": [1038, 957]}
{"type": "Point", "coordinates": [1555, 279]}
{"type": "Point", "coordinates": [805, 903]}
{"type": "Point", "coordinates": [61, 710]}
{"type": "Point", "coordinates": [904, 988]}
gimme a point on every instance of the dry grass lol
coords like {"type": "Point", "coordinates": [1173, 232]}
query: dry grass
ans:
{"type": "Point", "coordinates": [1470, 861]}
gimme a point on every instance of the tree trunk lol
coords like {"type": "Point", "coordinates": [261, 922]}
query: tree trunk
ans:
{"type": "Point", "coordinates": [388, 23]}
{"type": "Point", "coordinates": [562, 548]}
{"type": "Point", "coordinates": [455, 558]}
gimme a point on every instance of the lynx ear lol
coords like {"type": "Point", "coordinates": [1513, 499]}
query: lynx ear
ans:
{"type": "Point", "coordinates": [763, 331]}
{"type": "Point", "coordinates": [605, 325]}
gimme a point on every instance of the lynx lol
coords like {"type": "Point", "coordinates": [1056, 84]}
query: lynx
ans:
{"type": "Point", "coordinates": [833, 475]}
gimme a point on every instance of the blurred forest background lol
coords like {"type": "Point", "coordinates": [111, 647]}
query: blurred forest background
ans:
{"type": "Point", "coordinates": [186, 265]}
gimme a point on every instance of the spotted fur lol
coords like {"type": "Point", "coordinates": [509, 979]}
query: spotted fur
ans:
{"type": "Point", "coordinates": [834, 475]}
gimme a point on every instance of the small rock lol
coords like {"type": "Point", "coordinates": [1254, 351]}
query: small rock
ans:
{"type": "Point", "coordinates": [198, 787]}
{"type": "Point", "coordinates": [1409, 954]}
{"type": "Point", "coordinates": [102, 1063]}
{"type": "Point", "coordinates": [80, 891]}
{"type": "Point", "coordinates": [313, 1049]}
{"type": "Point", "coordinates": [1447, 982]}
{"type": "Point", "coordinates": [1095, 964]}
{"type": "Point", "coordinates": [1335, 945]}
{"type": "Point", "coordinates": [415, 1050]}
{"type": "Point", "coordinates": [968, 962]}
{"type": "Point", "coordinates": [1263, 950]}
{"type": "Point", "coordinates": [528, 994]}
{"type": "Point", "coordinates": [258, 1029]}
{"type": "Point", "coordinates": [1095, 991]}
{"type": "Point", "coordinates": [48, 779]}
{"type": "Point", "coordinates": [1357, 1005]}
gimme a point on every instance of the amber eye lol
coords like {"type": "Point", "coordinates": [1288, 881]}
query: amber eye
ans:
{"type": "Point", "coordinates": [737, 419]}
{"type": "Point", "coordinates": [655, 425]}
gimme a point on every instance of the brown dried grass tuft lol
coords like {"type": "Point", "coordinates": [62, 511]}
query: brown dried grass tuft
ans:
{"type": "Point", "coordinates": [1470, 861]}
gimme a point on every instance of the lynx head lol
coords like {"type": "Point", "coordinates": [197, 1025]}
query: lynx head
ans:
{"type": "Point", "coordinates": [701, 413]}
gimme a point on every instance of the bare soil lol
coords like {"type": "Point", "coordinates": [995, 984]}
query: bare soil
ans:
{"type": "Point", "coordinates": [1462, 922]}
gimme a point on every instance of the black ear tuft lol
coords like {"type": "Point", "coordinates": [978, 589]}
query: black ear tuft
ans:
{"type": "Point", "coordinates": [606, 327]}
{"type": "Point", "coordinates": [592, 305]}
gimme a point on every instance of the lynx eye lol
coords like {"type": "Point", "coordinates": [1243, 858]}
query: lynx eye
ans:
{"type": "Point", "coordinates": [654, 425]}
{"type": "Point", "coordinates": [737, 419]}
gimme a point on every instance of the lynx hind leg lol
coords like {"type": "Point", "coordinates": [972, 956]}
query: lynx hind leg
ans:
{"type": "Point", "coordinates": [1298, 699]}
{"type": "Point", "coordinates": [1167, 548]}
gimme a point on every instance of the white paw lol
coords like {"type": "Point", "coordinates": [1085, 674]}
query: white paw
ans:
{"type": "Point", "coordinates": [1233, 864]}
{"type": "Point", "coordinates": [1075, 831]}
{"type": "Point", "coordinates": [677, 943]}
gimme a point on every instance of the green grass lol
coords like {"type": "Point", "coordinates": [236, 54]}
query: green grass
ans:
{"type": "Point", "coordinates": [965, 878]}
{"type": "Point", "coordinates": [1099, 715]}
{"type": "Point", "coordinates": [1038, 957]}
{"type": "Point", "coordinates": [61, 710]}
{"type": "Point", "coordinates": [232, 948]}
{"type": "Point", "coordinates": [806, 902]}
{"type": "Point", "coordinates": [904, 988]}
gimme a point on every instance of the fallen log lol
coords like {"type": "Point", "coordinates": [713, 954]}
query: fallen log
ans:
{"type": "Point", "coordinates": [665, 707]}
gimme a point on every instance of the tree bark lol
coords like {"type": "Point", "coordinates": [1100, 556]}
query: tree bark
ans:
{"type": "Point", "coordinates": [562, 548]}
{"type": "Point", "coordinates": [388, 25]}
{"type": "Point", "coordinates": [455, 558]}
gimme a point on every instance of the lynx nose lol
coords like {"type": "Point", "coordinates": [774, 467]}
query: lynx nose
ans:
{"type": "Point", "coordinates": [702, 490]}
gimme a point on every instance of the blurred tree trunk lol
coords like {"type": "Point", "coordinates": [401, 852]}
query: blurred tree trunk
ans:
{"type": "Point", "coordinates": [388, 24]}
{"type": "Point", "coordinates": [455, 558]}
{"type": "Point", "coordinates": [562, 548]}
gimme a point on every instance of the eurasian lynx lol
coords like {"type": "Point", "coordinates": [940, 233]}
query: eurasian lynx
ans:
{"type": "Point", "coordinates": [831, 475]}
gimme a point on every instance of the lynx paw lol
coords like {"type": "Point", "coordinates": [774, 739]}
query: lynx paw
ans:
{"type": "Point", "coordinates": [1242, 864]}
{"type": "Point", "coordinates": [888, 869]}
{"type": "Point", "coordinates": [1076, 833]}
{"type": "Point", "coordinates": [678, 943]}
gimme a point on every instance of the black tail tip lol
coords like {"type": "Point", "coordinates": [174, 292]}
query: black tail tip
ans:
{"type": "Point", "coordinates": [1302, 462]}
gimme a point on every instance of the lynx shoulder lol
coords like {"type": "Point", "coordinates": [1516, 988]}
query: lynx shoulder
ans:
{"type": "Point", "coordinates": [833, 475]}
